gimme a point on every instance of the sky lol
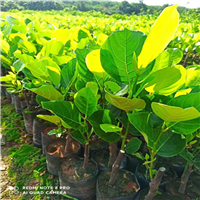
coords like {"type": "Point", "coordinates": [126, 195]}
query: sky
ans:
{"type": "Point", "coordinates": [185, 3]}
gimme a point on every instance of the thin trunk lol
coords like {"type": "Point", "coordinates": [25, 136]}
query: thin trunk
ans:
{"type": "Point", "coordinates": [115, 167]}
{"type": "Point", "coordinates": [113, 153]}
{"type": "Point", "coordinates": [86, 156]}
{"type": "Point", "coordinates": [184, 179]}
{"type": "Point", "coordinates": [68, 147]}
{"type": "Point", "coordinates": [26, 99]}
{"type": "Point", "coordinates": [154, 184]}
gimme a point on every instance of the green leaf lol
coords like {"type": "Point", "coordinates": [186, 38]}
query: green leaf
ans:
{"type": "Point", "coordinates": [45, 70]}
{"type": "Point", "coordinates": [170, 144]}
{"type": "Point", "coordinates": [125, 103]}
{"type": "Point", "coordinates": [133, 145]}
{"type": "Point", "coordinates": [162, 61]}
{"type": "Point", "coordinates": [50, 118]}
{"type": "Point", "coordinates": [5, 47]}
{"type": "Point", "coordinates": [173, 113]}
{"type": "Point", "coordinates": [18, 65]}
{"type": "Point", "coordinates": [52, 132]}
{"type": "Point", "coordinates": [86, 101]}
{"type": "Point", "coordinates": [77, 135]}
{"type": "Point", "coordinates": [112, 86]}
{"type": "Point", "coordinates": [66, 111]}
{"type": "Point", "coordinates": [176, 55]}
{"type": "Point", "coordinates": [160, 35]}
{"type": "Point", "coordinates": [61, 35]}
{"type": "Point", "coordinates": [192, 77]}
{"type": "Point", "coordinates": [117, 54]}
{"type": "Point", "coordinates": [48, 92]}
{"type": "Point", "coordinates": [82, 69]}
{"type": "Point", "coordinates": [142, 122]}
{"type": "Point", "coordinates": [7, 78]}
{"type": "Point", "coordinates": [40, 99]}
{"type": "Point", "coordinates": [27, 47]}
{"type": "Point", "coordinates": [53, 47]}
{"type": "Point", "coordinates": [166, 81]}
{"type": "Point", "coordinates": [110, 128]}
{"type": "Point", "coordinates": [80, 83]}
{"type": "Point", "coordinates": [103, 117]}
{"type": "Point", "coordinates": [68, 74]}
{"type": "Point", "coordinates": [185, 101]}
{"type": "Point", "coordinates": [5, 60]}
{"type": "Point", "coordinates": [93, 87]}
{"type": "Point", "coordinates": [124, 119]}
{"type": "Point", "coordinates": [24, 57]}
{"type": "Point", "coordinates": [93, 63]}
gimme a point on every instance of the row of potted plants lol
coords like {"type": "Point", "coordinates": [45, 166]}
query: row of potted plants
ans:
{"type": "Point", "coordinates": [128, 96]}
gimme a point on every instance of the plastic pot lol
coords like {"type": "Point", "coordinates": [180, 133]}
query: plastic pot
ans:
{"type": "Point", "coordinates": [18, 107]}
{"type": "Point", "coordinates": [130, 190]}
{"type": "Point", "coordinates": [105, 155]}
{"type": "Point", "coordinates": [8, 96]}
{"type": "Point", "coordinates": [38, 126]}
{"type": "Point", "coordinates": [81, 189]}
{"type": "Point", "coordinates": [29, 117]}
{"type": "Point", "coordinates": [13, 99]}
{"type": "Point", "coordinates": [132, 163]}
{"type": "Point", "coordinates": [47, 139]}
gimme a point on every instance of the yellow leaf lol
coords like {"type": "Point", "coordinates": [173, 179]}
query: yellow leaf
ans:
{"type": "Point", "coordinates": [160, 35]}
{"type": "Point", "coordinates": [93, 63]}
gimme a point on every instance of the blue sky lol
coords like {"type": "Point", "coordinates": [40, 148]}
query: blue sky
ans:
{"type": "Point", "coordinates": [186, 3]}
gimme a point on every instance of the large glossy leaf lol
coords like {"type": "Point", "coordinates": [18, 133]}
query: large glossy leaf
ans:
{"type": "Point", "coordinates": [24, 57]}
{"type": "Point", "coordinates": [133, 145]}
{"type": "Point", "coordinates": [110, 128]}
{"type": "Point", "coordinates": [185, 101]}
{"type": "Point", "coordinates": [61, 35]}
{"type": "Point", "coordinates": [174, 113]}
{"type": "Point", "coordinates": [192, 77]}
{"type": "Point", "coordinates": [45, 70]}
{"type": "Point", "coordinates": [142, 122]}
{"type": "Point", "coordinates": [18, 65]}
{"type": "Point", "coordinates": [170, 144]}
{"type": "Point", "coordinates": [162, 61]}
{"type": "Point", "coordinates": [27, 47]}
{"type": "Point", "coordinates": [160, 35]}
{"type": "Point", "coordinates": [117, 54]}
{"type": "Point", "coordinates": [77, 135]}
{"type": "Point", "coordinates": [93, 63]}
{"type": "Point", "coordinates": [53, 47]}
{"type": "Point", "coordinates": [66, 111]}
{"type": "Point", "coordinates": [125, 103]}
{"type": "Point", "coordinates": [68, 73]}
{"type": "Point", "coordinates": [48, 92]}
{"type": "Point", "coordinates": [82, 69]}
{"type": "Point", "coordinates": [166, 81]}
{"type": "Point", "coordinates": [176, 55]}
{"type": "Point", "coordinates": [5, 47]}
{"type": "Point", "coordinates": [50, 118]}
{"type": "Point", "coordinates": [124, 120]}
{"type": "Point", "coordinates": [86, 101]}
{"type": "Point", "coordinates": [103, 117]}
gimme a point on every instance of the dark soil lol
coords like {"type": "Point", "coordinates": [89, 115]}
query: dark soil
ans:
{"type": "Point", "coordinates": [57, 148]}
{"type": "Point", "coordinates": [192, 191]}
{"type": "Point", "coordinates": [72, 168]}
{"type": "Point", "coordinates": [125, 184]}
{"type": "Point", "coordinates": [101, 157]}
{"type": "Point", "coordinates": [96, 142]}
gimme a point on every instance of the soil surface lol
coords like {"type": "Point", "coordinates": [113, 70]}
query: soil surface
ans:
{"type": "Point", "coordinates": [72, 168]}
{"type": "Point", "coordinates": [57, 148]}
{"type": "Point", "coordinates": [101, 157]}
{"type": "Point", "coordinates": [125, 184]}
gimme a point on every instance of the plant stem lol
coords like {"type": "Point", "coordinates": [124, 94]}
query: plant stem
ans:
{"type": "Point", "coordinates": [113, 152]}
{"type": "Point", "coordinates": [125, 136]}
{"type": "Point", "coordinates": [118, 161]}
{"type": "Point", "coordinates": [86, 156]}
{"type": "Point", "coordinates": [154, 151]}
{"type": "Point", "coordinates": [115, 167]}
{"type": "Point", "coordinates": [68, 147]}
{"type": "Point", "coordinates": [154, 184]}
{"type": "Point", "coordinates": [184, 179]}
